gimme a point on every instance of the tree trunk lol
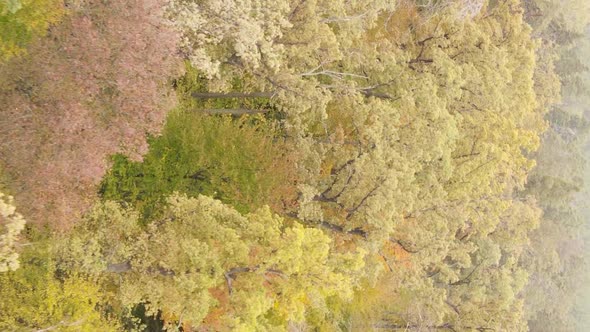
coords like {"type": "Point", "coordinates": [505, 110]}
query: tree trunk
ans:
{"type": "Point", "coordinates": [232, 111]}
{"type": "Point", "coordinates": [119, 267]}
{"type": "Point", "coordinates": [213, 95]}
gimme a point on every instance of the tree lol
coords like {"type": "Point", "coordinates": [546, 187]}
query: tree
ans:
{"type": "Point", "coordinates": [39, 297]}
{"type": "Point", "coordinates": [82, 94]}
{"type": "Point", "coordinates": [552, 19]}
{"type": "Point", "coordinates": [418, 138]}
{"type": "Point", "coordinates": [555, 258]}
{"type": "Point", "coordinates": [242, 162]}
{"type": "Point", "coordinates": [203, 255]}
{"type": "Point", "coordinates": [12, 224]}
{"type": "Point", "coordinates": [461, 225]}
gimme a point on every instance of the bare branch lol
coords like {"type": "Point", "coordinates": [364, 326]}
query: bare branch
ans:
{"type": "Point", "coordinates": [119, 267]}
{"type": "Point", "coordinates": [344, 19]}
{"type": "Point", "coordinates": [232, 111]}
{"type": "Point", "coordinates": [231, 274]}
{"type": "Point", "coordinates": [404, 247]}
{"type": "Point", "coordinates": [296, 9]}
{"type": "Point", "coordinates": [353, 210]}
{"type": "Point", "coordinates": [466, 279]}
{"type": "Point", "coordinates": [386, 261]}
{"type": "Point", "coordinates": [62, 323]}
{"type": "Point", "coordinates": [333, 74]}
{"type": "Point", "coordinates": [215, 95]}
{"type": "Point", "coordinates": [454, 307]}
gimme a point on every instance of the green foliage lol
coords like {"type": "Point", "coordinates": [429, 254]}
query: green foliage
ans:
{"type": "Point", "coordinates": [242, 161]}
{"type": "Point", "coordinates": [23, 20]}
{"type": "Point", "coordinates": [4, 180]}
{"type": "Point", "coordinates": [194, 80]}
{"type": "Point", "coordinates": [231, 160]}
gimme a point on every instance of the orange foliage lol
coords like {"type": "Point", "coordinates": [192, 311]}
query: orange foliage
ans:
{"type": "Point", "coordinates": [284, 194]}
{"type": "Point", "coordinates": [213, 321]}
{"type": "Point", "coordinates": [395, 254]}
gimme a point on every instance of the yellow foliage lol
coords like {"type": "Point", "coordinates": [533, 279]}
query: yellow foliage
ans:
{"type": "Point", "coordinates": [24, 20]}
{"type": "Point", "coordinates": [33, 298]}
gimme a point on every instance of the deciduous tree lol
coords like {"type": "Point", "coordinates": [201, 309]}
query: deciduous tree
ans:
{"type": "Point", "coordinates": [267, 272]}
{"type": "Point", "coordinates": [12, 224]}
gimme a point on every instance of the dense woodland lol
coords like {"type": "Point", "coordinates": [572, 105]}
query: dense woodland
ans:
{"type": "Point", "coordinates": [294, 165]}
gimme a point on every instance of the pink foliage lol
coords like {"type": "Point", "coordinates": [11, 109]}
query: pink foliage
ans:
{"type": "Point", "coordinates": [96, 85]}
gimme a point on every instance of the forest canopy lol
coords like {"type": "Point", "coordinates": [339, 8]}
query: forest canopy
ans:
{"type": "Point", "coordinates": [294, 165]}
